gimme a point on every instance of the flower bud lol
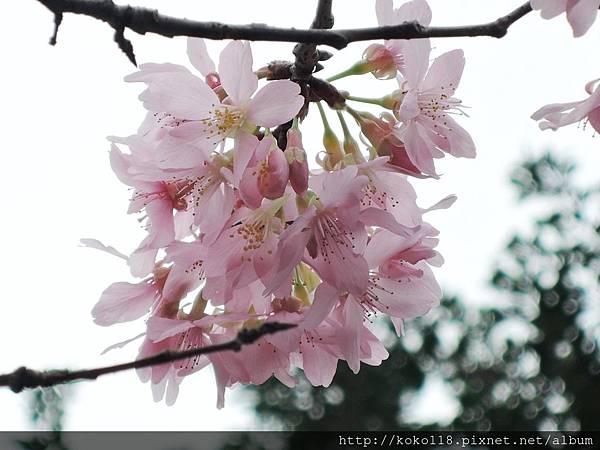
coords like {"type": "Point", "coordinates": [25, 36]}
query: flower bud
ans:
{"type": "Point", "coordinates": [380, 61]}
{"type": "Point", "coordinates": [213, 80]}
{"type": "Point", "coordinates": [288, 304]}
{"type": "Point", "coordinates": [296, 158]}
{"type": "Point", "coordinates": [274, 175]}
{"type": "Point", "coordinates": [333, 147]}
{"type": "Point", "coordinates": [380, 134]}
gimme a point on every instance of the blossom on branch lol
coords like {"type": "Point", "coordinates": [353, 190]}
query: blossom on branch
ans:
{"type": "Point", "coordinates": [241, 231]}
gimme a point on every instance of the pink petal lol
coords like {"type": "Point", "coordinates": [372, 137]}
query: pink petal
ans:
{"type": "Point", "coordinates": [161, 328]}
{"type": "Point", "coordinates": [245, 145]}
{"type": "Point", "coordinates": [384, 12]}
{"type": "Point", "coordinates": [235, 70]}
{"type": "Point", "coordinates": [150, 71]}
{"type": "Point", "coordinates": [182, 95]}
{"type": "Point", "coordinates": [416, 61]}
{"type": "Point", "coordinates": [409, 109]}
{"type": "Point", "coordinates": [549, 8]}
{"type": "Point", "coordinates": [276, 103]}
{"type": "Point", "coordinates": [594, 118]}
{"type": "Point", "coordinates": [417, 10]}
{"type": "Point", "coordinates": [272, 184]}
{"type": "Point", "coordinates": [445, 72]}
{"type": "Point", "coordinates": [142, 261]}
{"type": "Point", "coordinates": [123, 302]}
{"type": "Point", "coordinates": [409, 297]}
{"type": "Point", "coordinates": [418, 147]}
{"type": "Point", "coordinates": [96, 244]}
{"type": "Point", "coordinates": [581, 14]}
{"type": "Point", "coordinates": [199, 57]}
{"type": "Point", "coordinates": [319, 365]}
{"type": "Point", "coordinates": [460, 143]}
{"type": "Point", "coordinates": [325, 299]}
{"type": "Point", "coordinates": [350, 334]}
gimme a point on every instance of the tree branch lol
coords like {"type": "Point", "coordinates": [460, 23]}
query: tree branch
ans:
{"type": "Point", "coordinates": [144, 20]}
{"type": "Point", "coordinates": [24, 378]}
{"type": "Point", "coordinates": [307, 55]}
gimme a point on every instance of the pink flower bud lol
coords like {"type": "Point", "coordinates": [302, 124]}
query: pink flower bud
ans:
{"type": "Point", "coordinates": [288, 304]}
{"type": "Point", "coordinates": [296, 158]}
{"type": "Point", "coordinates": [380, 61]}
{"type": "Point", "coordinates": [380, 134]}
{"type": "Point", "coordinates": [274, 175]}
{"type": "Point", "coordinates": [213, 80]}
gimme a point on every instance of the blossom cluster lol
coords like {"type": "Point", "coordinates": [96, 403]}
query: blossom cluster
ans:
{"type": "Point", "coordinates": [241, 231]}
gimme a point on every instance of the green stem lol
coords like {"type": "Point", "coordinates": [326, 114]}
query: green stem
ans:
{"type": "Point", "coordinates": [347, 134]}
{"type": "Point", "coordinates": [326, 126]}
{"type": "Point", "coordinates": [372, 101]}
{"type": "Point", "coordinates": [360, 68]}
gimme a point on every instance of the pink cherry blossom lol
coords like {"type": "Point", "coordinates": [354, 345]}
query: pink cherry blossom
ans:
{"type": "Point", "coordinates": [160, 293]}
{"type": "Point", "coordinates": [428, 129]}
{"type": "Point", "coordinates": [400, 284]}
{"type": "Point", "coordinates": [384, 135]}
{"type": "Point", "coordinates": [298, 161]}
{"type": "Point", "coordinates": [384, 60]}
{"type": "Point", "coordinates": [581, 14]}
{"type": "Point", "coordinates": [331, 232]}
{"type": "Point", "coordinates": [183, 334]}
{"type": "Point", "coordinates": [390, 192]}
{"type": "Point", "coordinates": [200, 116]}
{"type": "Point", "coordinates": [244, 252]}
{"type": "Point", "coordinates": [558, 115]}
{"type": "Point", "coordinates": [317, 350]}
{"type": "Point", "coordinates": [260, 169]}
{"type": "Point", "coordinates": [248, 234]}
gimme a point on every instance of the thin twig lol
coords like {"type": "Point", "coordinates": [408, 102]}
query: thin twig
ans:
{"type": "Point", "coordinates": [144, 20]}
{"type": "Point", "coordinates": [24, 378]}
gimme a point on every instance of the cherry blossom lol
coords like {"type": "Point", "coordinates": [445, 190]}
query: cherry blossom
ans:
{"type": "Point", "coordinates": [581, 14]}
{"type": "Point", "coordinates": [558, 115]}
{"type": "Point", "coordinates": [426, 106]}
{"type": "Point", "coordinates": [195, 111]}
{"type": "Point", "coordinates": [241, 229]}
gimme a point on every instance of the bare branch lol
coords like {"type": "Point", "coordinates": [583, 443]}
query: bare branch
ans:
{"type": "Point", "coordinates": [307, 54]}
{"type": "Point", "coordinates": [144, 20]}
{"type": "Point", "coordinates": [24, 378]}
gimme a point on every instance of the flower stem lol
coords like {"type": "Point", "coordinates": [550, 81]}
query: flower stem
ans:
{"type": "Point", "coordinates": [326, 126]}
{"type": "Point", "coordinates": [372, 101]}
{"type": "Point", "coordinates": [360, 68]}
{"type": "Point", "coordinates": [332, 145]}
{"type": "Point", "coordinates": [350, 145]}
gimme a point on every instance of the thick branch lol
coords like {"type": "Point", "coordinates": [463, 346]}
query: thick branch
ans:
{"type": "Point", "coordinates": [144, 20]}
{"type": "Point", "coordinates": [24, 378]}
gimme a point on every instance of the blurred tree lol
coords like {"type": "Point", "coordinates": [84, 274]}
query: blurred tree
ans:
{"type": "Point", "coordinates": [47, 410]}
{"type": "Point", "coordinates": [531, 364]}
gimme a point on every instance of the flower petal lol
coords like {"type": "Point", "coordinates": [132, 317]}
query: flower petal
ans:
{"type": "Point", "coordinates": [199, 57]}
{"type": "Point", "coordinates": [235, 70]}
{"type": "Point", "coordinates": [276, 103]}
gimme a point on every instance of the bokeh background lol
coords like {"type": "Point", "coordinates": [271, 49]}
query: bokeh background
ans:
{"type": "Point", "coordinates": [59, 104]}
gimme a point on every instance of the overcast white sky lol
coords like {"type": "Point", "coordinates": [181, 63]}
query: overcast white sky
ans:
{"type": "Point", "coordinates": [59, 103]}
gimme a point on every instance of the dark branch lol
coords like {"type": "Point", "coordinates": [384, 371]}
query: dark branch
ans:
{"type": "Point", "coordinates": [144, 20]}
{"type": "Point", "coordinates": [307, 55]}
{"type": "Point", "coordinates": [24, 378]}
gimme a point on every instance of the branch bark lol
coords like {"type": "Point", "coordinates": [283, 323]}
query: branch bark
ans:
{"type": "Point", "coordinates": [24, 378]}
{"type": "Point", "coordinates": [144, 20]}
{"type": "Point", "coordinates": [307, 55]}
